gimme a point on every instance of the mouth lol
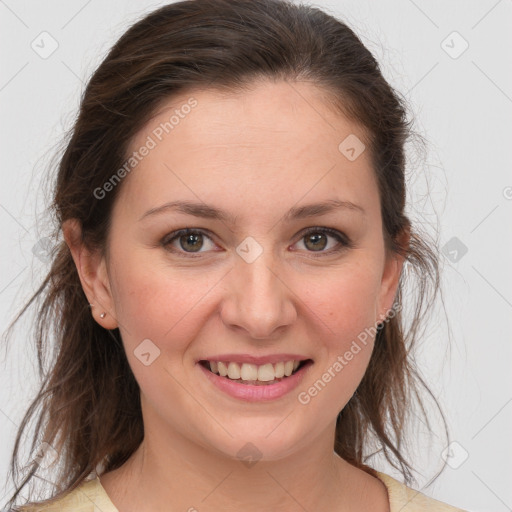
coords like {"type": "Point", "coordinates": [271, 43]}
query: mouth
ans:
{"type": "Point", "coordinates": [255, 375]}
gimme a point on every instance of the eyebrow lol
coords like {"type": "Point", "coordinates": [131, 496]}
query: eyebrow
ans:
{"type": "Point", "coordinates": [206, 211]}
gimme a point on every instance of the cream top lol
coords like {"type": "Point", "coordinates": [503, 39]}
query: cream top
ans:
{"type": "Point", "coordinates": [90, 496]}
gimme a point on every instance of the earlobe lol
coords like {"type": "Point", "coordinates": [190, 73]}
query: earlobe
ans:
{"type": "Point", "coordinates": [91, 268]}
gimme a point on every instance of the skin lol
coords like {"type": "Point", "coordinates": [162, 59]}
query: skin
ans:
{"type": "Point", "coordinates": [256, 154]}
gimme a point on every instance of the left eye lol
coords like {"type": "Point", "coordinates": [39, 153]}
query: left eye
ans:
{"type": "Point", "coordinates": [317, 239]}
{"type": "Point", "coordinates": [192, 240]}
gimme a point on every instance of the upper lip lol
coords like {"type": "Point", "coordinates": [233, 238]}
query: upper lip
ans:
{"type": "Point", "coordinates": [258, 360]}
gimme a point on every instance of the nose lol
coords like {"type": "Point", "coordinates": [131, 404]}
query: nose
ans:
{"type": "Point", "coordinates": [258, 298]}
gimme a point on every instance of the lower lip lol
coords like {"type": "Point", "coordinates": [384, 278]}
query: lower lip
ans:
{"type": "Point", "coordinates": [251, 393]}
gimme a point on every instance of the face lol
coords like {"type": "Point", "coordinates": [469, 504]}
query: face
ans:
{"type": "Point", "coordinates": [265, 281]}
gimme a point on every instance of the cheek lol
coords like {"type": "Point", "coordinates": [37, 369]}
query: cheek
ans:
{"type": "Point", "coordinates": [160, 304]}
{"type": "Point", "coordinates": [343, 300]}
{"type": "Point", "coordinates": [168, 309]}
{"type": "Point", "coordinates": [346, 313]}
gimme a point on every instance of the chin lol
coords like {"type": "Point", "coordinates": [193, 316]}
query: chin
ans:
{"type": "Point", "coordinates": [253, 444]}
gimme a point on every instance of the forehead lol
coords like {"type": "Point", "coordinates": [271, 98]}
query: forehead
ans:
{"type": "Point", "coordinates": [279, 140]}
{"type": "Point", "coordinates": [267, 113]}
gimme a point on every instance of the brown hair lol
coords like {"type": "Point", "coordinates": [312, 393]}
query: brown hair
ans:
{"type": "Point", "coordinates": [89, 399]}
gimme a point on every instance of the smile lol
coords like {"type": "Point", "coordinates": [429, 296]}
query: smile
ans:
{"type": "Point", "coordinates": [252, 382]}
{"type": "Point", "coordinates": [247, 373]}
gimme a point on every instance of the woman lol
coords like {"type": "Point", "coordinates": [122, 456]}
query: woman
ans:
{"type": "Point", "coordinates": [228, 287]}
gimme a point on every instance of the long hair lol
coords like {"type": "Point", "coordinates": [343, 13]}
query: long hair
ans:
{"type": "Point", "coordinates": [88, 406]}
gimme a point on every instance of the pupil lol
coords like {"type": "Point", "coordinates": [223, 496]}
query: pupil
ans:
{"type": "Point", "coordinates": [315, 239]}
{"type": "Point", "coordinates": [193, 238]}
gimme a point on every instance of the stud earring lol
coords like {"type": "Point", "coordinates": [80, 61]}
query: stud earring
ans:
{"type": "Point", "coordinates": [103, 315]}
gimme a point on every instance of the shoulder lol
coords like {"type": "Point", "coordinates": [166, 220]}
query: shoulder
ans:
{"type": "Point", "coordinates": [89, 496]}
{"type": "Point", "coordinates": [405, 499]}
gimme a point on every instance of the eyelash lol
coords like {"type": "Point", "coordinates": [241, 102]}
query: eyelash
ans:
{"type": "Point", "coordinates": [344, 241]}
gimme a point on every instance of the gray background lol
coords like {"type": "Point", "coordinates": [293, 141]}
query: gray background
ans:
{"type": "Point", "coordinates": [462, 102]}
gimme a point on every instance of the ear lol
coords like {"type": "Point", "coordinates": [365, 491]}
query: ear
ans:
{"type": "Point", "coordinates": [391, 276]}
{"type": "Point", "coordinates": [93, 275]}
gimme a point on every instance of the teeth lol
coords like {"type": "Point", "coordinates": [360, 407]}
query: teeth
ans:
{"type": "Point", "coordinates": [252, 372]}
{"type": "Point", "coordinates": [233, 371]}
{"type": "Point", "coordinates": [223, 370]}
{"type": "Point", "coordinates": [266, 372]}
{"type": "Point", "coordinates": [288, 368]}
{"type": "Point", "coordinates": [248, 372]}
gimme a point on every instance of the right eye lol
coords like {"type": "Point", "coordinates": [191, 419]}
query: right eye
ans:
{"type": "Point", "coordinates": [186, 239]}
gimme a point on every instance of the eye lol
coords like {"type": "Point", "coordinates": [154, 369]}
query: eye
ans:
{"type": "Point", "coordinates": [316, 240]}
{"type": "Point", "coordinates": [188, 240]}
